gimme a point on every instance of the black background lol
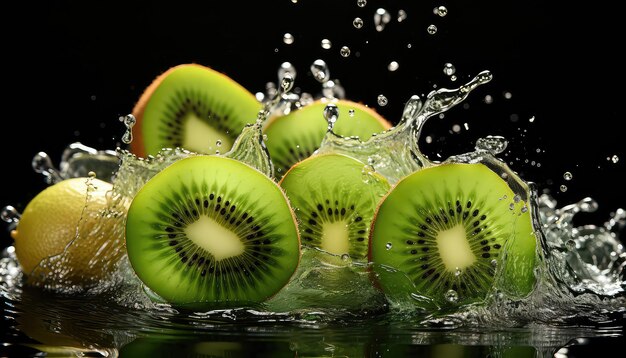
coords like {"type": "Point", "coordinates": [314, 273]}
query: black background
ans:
{"type": "Point", "coordinates": [73, 67]}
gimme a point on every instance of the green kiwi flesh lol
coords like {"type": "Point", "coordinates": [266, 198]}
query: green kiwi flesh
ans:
{"type": "Point", "coordinates": [296, 136]}
{"type": "Point", "coordinates": [334, 197]}
{"type": "Point", "coordinates": [195, 107]}
{"type": "Point", "coordinates": [450, 227]}
{"type": "Point", "coordinates": [210, 231]}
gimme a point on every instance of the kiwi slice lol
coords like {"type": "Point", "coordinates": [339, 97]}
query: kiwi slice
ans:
{"type": "Point", "coordinates": [296, 136]}
{"type": "Point", "coordinates": [449, 228]}
{"type": "Point", "coordinates": [193, 107]}
{"type": "Point", "coordinates": [210, 231]}
{"type": "Point", "coordinates": [334, 197]}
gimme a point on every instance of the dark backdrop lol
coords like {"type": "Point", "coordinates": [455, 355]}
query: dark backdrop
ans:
{"type": "Point", "coordinates": [72, 67]}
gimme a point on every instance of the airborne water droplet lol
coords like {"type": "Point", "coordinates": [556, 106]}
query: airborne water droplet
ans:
{"type": "Point", "coordinates": [326, 44]}
{"type": "Point", "coordinates": [361, 3]}
{"type": "Point", "coordinates": [570, 245]}
{"type": "Point", "coordinates": [401, 15]}
{"type": "Point", "coordinates": [388, 246]}
{"type": "Point", "coordinates": [393, 66]}
{"type": "Point", "coordinates": [357, 22]}
{"type": "Point", "coordinates": [457, 272]}
{"type": "Point", "coordinates": [320, 71]}
{"type": "Point", "coordinates": [345, 51]}
{"type": "Point", "coordinates": [563, 188]}
{"type": "Point", "coordinates": [494, 263]}
{"type": "Point", "coordinates": [91, 174]}
{"type": "Point", "coordinates": [567, 176]}
{"type": "Point", "coordinates": [488, 99]}
{"type": "Point", "coordinates": [449, 69]}
{"type": "Point", "coordinates": [288, 38]}
{"type": "Point", "coordinates": [382, 100]}
{"type": "Point", "coordinates": [381, 18]}
{"type": "Point", "coordinates": [129, 121]}
{"type": "Point", "coordinates": [615, 159]}
{"type": "Point", "coordinates": [451, 296]}
{"type": "Point", "coordinates": [9, 214]}
{"type": "Point", "coordinates": [432, 29]}
{"type": "Point", "coordinates": [441, 11]}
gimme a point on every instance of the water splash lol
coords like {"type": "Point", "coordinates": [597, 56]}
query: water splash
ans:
{"type": "Point", "coordinates": [77, 161]}
{"type": "Point", "coordinates": [396, 152]}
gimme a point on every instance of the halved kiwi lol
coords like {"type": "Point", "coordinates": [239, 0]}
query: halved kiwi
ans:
{"type": "Point", "coordinates": [449, 229]}
{"type": "Point", "coordinates": [210, 231]}
{"type": "Point", "coordinates": [296, 136]}
{"type": "Point", "coordinates": [193, 107]}
{"type": "Point", "coordinates": [334, 197]}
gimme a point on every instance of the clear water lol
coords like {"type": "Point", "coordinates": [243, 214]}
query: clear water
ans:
{"type": "Point", "coordinates": [580, 272]}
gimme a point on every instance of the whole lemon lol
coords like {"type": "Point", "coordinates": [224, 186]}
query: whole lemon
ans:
{"type": "Point", "coordinates": [64, 219]}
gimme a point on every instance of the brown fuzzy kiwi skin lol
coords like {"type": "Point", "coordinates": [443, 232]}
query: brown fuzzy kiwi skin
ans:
{"type": "Point", "coordinates": [137, 146]}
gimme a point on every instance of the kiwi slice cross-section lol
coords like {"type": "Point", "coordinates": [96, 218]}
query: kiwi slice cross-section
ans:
{"type": "Point", "coordinates": [334, 197]}
{"type": "Point", "coordinates": [193, 107]}
{"type": "Point", "coordinates": [210, 231]}
{"type": "Point", "coordinates": [296, 136]}
{"type": "Point", "coordinates": [449, 228]}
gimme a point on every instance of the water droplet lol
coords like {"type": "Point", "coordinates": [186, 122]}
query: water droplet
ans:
{"type": "Point", "coordinates": [429, 139]}
{"type": "Point", "coordinates": [382, 100]}
{"type": "Point", "coordinates": [453, 78]}
{"type": "Point", "coordinates": [432, 29]}
{"type": "Point", "coordinates": [408, 45]}
{"type": "Point", "coordinates": [381, 18]}
{"type": "Point", "coordinates": [286, 83]}
{"type": "Point", "coordinates": [351, 112]}
{"type": "Point", "coordinates": [615, 159]}
{"type": "Point", "coordinates": [401, 15]}
{"type": "Point", "coordinates": [288, 38]}
{"type": "Point", "coordinates": [331, 113]}
{"type": "Point", "coordinates": [570, 245]}
{"type": "Point", "coordinates": [393, 66]}
{"type": "Point", "coordinates": [286, 68]}
{"type": "Point", "coordinates": [320, 71]}
{"type": "Point", "coordinates": [326, 44]}
{"type": "Point", "coordinates": [357, 22]}
{"type": "Point", "coordinates": [531, 119]}
{"type": "Point", "coordinates": [388, 246]}
{"type": "Point", "coordinates": [129, 121]}
{"type": "Point", "coordinates": [567, 176]}
{"type": "Point", "coordinates": [457, 272]}
{"type": "Point", "coordinates": [441, 11]}
{"type": "Point", "coordinates": [9, 214]}
{"type": "Point", "coordinates": [41, 162]}
{"type": "Point", "coordinates": [218, 142]}
{"type": "Point", "coordinates": [294, 1]}
{"type": "Point", "coordinates": [511, 206]}
{"type": "Point", "coordinates": [91, 174]}
{"type": "Point", "coordinates": [563, 188]}
{"type": "Point", "coordinates": [361, 3]}
{"type": "Point", "coordinates": [449, 69]}
{"type": "Point", "coordinates": [345, 257]}
{"type": "Point", "coordinates": [456, 128]}
{"type": "Point", "coordinates": [451, 296]}
{"type": "Point", "coordinates": [488, 99]}
{"type": "Point", "coordinates": [494, 263]}
{"type": "Point", "coordinates": [524, 209]}
{"type": "Point", "coordinates": [508, 95]}
{"type": "Point", "coordinates": [345, 51]}
{"type": "Point", "coordinates": [517, 198]}
{"type": "Point", "coordinates": [493, 144]}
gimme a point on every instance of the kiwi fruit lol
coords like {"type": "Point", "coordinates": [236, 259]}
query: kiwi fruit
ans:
{"type": "Point", "coordinates": [452, 230]}
{"type": "Point", "coordinates": [334, 197]}
{"type": "Point", "coordinates": [210, 232]}
{"type": "Point", "coordinates": [193, 107]}
{"type": "Point", "coordinates": [296, 136]}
